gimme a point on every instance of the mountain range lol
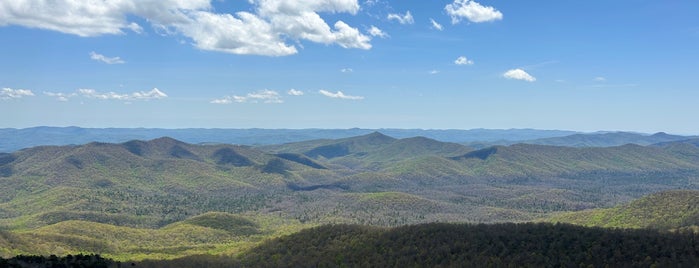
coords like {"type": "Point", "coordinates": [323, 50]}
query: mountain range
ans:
{"type": "Point", "coordinates": [14, 139]}
{"type": "Point", "coordinates": [156, 187]}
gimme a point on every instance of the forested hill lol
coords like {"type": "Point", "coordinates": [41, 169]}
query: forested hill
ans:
{"type": "Point", "coordinates": [463, 245]}
{"type": "Point", "coordinates": [664, 211]}
{"type": "Point", "coordinates": [165, 188]}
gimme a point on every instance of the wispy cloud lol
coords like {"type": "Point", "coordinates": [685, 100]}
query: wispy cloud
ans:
{"type": "Point", "coordinates": [375, 31]}
{"type": "Point", "coordinates": [436, 25]}
{"type": "Point", "coordinates": [105, 59]}
{"type": "Point", "coordinates": [9, 93]}
{"type": "Point", "coordinates": [260, 96]}
{"type": "Point", "coordinates": [472, 11]}
{"type": "Point", "coordinates": [339, 95]}
{"type": "Point", "coordinates": [433, 72]}
{"type": "Point", "coordinates": [407, 18]}
{"type": "Point", "coordinates": [462, 60]}
{"type": "Point", "coordinates": [599, 79]}
{"type": "Point", "coordinates": [155, 93]}
{"type": "Point", "coordinates": [294, 92]}
{"type": "Point", "coordinates": [60, 96]}
{"type": "Point", "coordinates": [519, 74]}
{"type": "Point", "coordinates": [347, 70]}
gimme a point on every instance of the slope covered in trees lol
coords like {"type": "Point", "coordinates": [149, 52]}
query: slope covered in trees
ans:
{"type": "Point", "coordinates": [663, 211]}
{"type": "Point", "coordinates": [462, 245]}
{"type": "Point", "coordinates": [165, 185]}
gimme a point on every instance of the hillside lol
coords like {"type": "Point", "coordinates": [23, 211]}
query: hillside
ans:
{"type": "Point", "coordinates": [461, 245]}
{"type": "Point", "coordinates": [369, 150]}
{"type": "Point", "coordinates": [209, 233]}
{"type": "Point", "coordinates": [138, 183]}
{"type": "Point", "coordinates": [146, 187]}
{"type": "Point", "coordinates": [663, 211]}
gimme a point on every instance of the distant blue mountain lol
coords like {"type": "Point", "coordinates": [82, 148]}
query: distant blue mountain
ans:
{"type": "Point", "coordinates": [15, 139]}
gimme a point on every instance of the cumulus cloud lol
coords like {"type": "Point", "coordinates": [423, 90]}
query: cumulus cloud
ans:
{"type": "Point", "coordinates": [463, 61]}
{"type": "Point", "coordinates": [93, 18]}
{"type": "Point", "coordinates": [519, 74]}
{"type": "Point", "coordinates": [436, 25]}
{"type": "Point", "coordinates": [155, 93]}
{"type": "Point", "coordinates": [267, 28]}
{"type": "Point", "coordinates": [9, 93]}
{"type": "Point", "coordinates": [263, 96]}
{"type": "Point", "coordinates": [105, 59]}
{"type": "Point", "coordinates": [472, 11]}
{"type": "Point", "coordinates": [407, 18]}
{"type": "Point", "coordinates": [375, 31]}
{"type": "Point", "coordinates": [339, 95]}
{"type": "Point", "coordinates": [294, 92]}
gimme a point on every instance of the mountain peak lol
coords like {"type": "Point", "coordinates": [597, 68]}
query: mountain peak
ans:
{"type": "Point", "coordinates": [377, 136]}
{"type": "Point", "coordinates": [164, 141]}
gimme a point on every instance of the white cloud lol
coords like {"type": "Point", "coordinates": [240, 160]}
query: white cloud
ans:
{"type": "Point", "coordinates": [244, 34]}
{"type": "Point", "coordinates": [154, 93]}
{"type": "Point", "coordinates": [294, 92]}
{"type": "Point", "coordinates": [135, 28]}
{"type": "Point", "coordinates": [60, 96]}
{"type": "Point", "coordinates": [264, 96]}
{"type": "Point", "coordinates": [402, 19]}
{"type": "Point", "coordinates": [346, 70]}
{"type": "Point", "coordinates": [472, 11]}
{"type": "Point", "coordinates": [94, 18]}
{"type": "Point", "coordinates": [266, 29]}
{"type": "Point", "coordinates": [436, 25]}
{"type": "Point", "coordinates": [105, 59]}
{"type": "Point", "coordinates": [599, 79]}
{"type": "Point", "coordinates": [375, 31]}
{"type": "Point", "coordinates": [339, 95]}
{"type": "Point", "coordinates": [519, 74]}
{"type": "Point", "coordinates": [224, 100]}
{"type": "Point", "coordinates": [370, 2]}
{"type": "Point", "coordinates": [141, 95]}
{"type": "Point", "coordinates": [434, 72]}
{"type": "Point", "coordinates": [463, 61]}
{"type": "Point", "coordinates": [9, 93]}
{"type": "Point", "coordinates": [348, 37]}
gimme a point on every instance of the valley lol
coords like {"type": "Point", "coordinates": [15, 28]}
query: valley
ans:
{"type": "Point", "coordinates": [166, 199]}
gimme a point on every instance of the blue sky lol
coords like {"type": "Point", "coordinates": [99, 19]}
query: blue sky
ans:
{"type": "Point", "coordinates": [457, 64]}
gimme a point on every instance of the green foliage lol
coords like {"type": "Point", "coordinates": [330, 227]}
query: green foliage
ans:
{"type": "Point", "coordinates": [230, 223]}
{"type": "Point", "coordinates": [179, 199]}
{"type": "Point", "coordinates": [664, 211]}
{"type": "Point", "coordinates": [210, 233]}
{"type": "Point", "coordinates": [465, 245]}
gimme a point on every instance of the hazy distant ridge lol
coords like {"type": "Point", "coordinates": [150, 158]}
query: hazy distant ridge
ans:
{"type": "Point", "coordinates": [15, 139]}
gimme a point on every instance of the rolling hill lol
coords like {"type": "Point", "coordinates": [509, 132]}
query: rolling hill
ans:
{"type": "Point", "coordinates": [147, 187]}
{"type": "Point", "coordinates": [663, 211]}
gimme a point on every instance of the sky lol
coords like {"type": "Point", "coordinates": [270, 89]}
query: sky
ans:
{"type": "Point", "coordinates": [449, 64]}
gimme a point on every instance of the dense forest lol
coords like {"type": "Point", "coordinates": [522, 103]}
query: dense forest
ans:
{"type": "Point", "coordinates": [165, 199]}
{"type": "Point", "coordinates": [435, 245]}
{"type": "Point", "coordinates": [463, 245]}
